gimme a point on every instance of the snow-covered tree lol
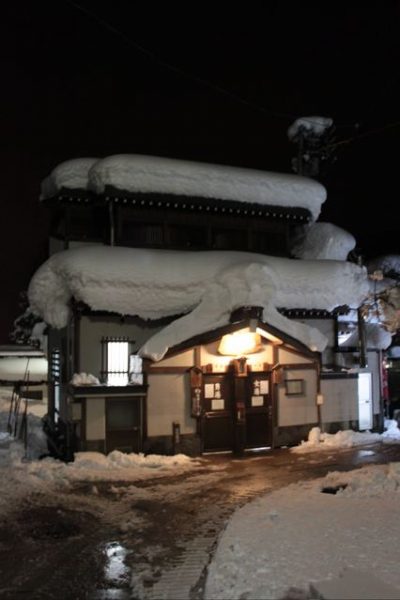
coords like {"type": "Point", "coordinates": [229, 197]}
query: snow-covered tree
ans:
{"type": "Point", "coordinates": [383, 303]}
{"type": "Point", "coordinates": [28, 329]}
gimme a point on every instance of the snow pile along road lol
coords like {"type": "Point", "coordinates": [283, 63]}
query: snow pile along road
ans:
{"type": "Point", "coordinates": [300, 536]}
{"type": "Point", "coordinates": [348, 438]}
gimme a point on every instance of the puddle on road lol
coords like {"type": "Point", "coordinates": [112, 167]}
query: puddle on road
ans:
{"type": "Point", "coordinates": [362, 453]}
{"type": "Point", "coordinates": [116, 571]}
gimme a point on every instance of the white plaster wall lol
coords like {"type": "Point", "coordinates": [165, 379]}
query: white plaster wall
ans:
{"type": "Point", "coordinates": [184, 359]}
{"type": "Point", "coordinates": [351, 360]}
{"type": "Point", "coordinates": [374, 368]}
{"type": "Point", "coordinates": [95, 419]}
{"type": "Point", "coordinates": [94, 328]}
{"type": "Point", "coordinates": [340, 400]}
{"type": "Point", "coordinates": [168, 400]}
{"type": "Point", "coordinates": [287, 357]}
{"type": "Point", "coordinates": [298, 410]}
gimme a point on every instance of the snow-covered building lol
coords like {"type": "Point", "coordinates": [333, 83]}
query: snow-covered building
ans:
{"type": "Point", "coordinates": [181, 319]}
{"type": "Point", "coordinates": [23, 370]}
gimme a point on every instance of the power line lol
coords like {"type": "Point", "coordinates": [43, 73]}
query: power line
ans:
{"type": "Point", "coordinates": [182, 72]}
{"type": "Point", "coordinates": [216, 87]}
{"type": "Point", "coordinates": [359, 136]}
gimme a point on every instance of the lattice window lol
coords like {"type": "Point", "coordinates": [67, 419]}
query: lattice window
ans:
{"type": "Point", "coordinates": [116, 351]}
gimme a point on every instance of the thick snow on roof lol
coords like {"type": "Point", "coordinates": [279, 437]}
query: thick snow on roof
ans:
{"type": "Point", "coordinates": [206, 285]}
{"type": "Point", "coordinates": [324, 241]}
{"type": "Point", "coordinates": [315, 125]}
{"type": "Point", "coordinates": [376, 337]}
{"type": "Point", "coordinates": [152, 174]}
{"type": "Point", "coordinates": [71, 174]}
{"type": "Point", "coordinates": [16, 368]}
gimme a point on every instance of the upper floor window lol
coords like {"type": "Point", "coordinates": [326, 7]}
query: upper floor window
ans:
{"type": "Point", "coordinates": [120, 366]}
{"type": "Point", "coordinates": [115, 360]}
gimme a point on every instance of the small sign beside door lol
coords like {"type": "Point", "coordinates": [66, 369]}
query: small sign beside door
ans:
{"type": "Point", "coordinates": [257, 400]}
{"type": "Point", "coordinates": [217, 404]}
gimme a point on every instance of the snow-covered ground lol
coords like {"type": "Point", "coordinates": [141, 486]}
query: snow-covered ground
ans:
{"type": "Point", "coordinates": [22, 473]}
{"type": "Point", "coordinates": [299, 536]}
{"type": "Point", "coordinates": [279, 545]}
{"type": "Point", "coordinates": [290, 538]}
{"type": "Point", "coordinates": [317, 440]}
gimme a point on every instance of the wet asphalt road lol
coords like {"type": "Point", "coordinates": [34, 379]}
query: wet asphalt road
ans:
{"type": "Point", "coordinates": [71, 546]}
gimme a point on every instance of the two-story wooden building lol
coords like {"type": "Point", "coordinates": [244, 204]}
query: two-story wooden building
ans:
{"type": "Point", "coordinates": [175, 287]}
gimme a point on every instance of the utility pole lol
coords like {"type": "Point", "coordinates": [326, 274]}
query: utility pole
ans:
{"type": "Point", "coordinates": [314, 137]}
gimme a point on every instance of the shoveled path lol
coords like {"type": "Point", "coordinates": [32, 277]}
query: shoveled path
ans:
{"type": "Point", "coordinates": [181, 530]}
{"type": "Point", "coordinates": [95, 540]}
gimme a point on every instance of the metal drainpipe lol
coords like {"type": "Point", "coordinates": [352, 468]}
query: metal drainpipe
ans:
{"type": "Point", "coordinates": [381, 423]}
{"type": "Point", "coordinates": [319, 407]}
{"type": "Point", "coordinates": [362, 341]}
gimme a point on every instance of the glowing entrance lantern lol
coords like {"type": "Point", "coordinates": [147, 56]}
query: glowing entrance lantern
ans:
{"type": "Point", "coordinates": [239, 343]}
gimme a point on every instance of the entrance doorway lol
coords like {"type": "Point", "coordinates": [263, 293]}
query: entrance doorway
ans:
{"type": "Point", "coordinates": [258, 411]}
{"type": "Point", "coordinates": [123, 424]}
{"type": "Point", "coordinates": [223, 393]}
{"type": "Point", "coordinates": [218, 402]}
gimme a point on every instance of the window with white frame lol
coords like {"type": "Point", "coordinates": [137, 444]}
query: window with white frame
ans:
{"type": "Point", "coordinates": [116, 360]}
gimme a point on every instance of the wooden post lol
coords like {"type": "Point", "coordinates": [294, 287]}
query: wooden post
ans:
{"type": "Point", "coordinates": [239, 421]}
{"type": "Point", "coordinates": [111, 222]}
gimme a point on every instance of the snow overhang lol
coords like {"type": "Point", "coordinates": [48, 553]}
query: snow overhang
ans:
{"type": "Point", "coordinates": [149, 175]}
{"type": "Point", "coordinates": [267, 332]}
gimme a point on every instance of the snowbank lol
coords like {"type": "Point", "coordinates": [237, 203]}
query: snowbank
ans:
{"type": "Point", "coordinates": [298, 535]}
{"type": "Point", "coordinates": [208, 285]}
{"type": "Point", "coordinates": [347, 439]}
{"type": "Point", "coordinates": [12, 450]}
{"type": "Point", "coordinates": [21, 476]}
{"type": "Point", "coordinates": [152, 174]}
{"type": "Point", "coordinates": [21, 472]}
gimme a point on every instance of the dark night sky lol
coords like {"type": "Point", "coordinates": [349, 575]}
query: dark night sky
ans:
{"type": "Point", "coordinates": [95, 84]}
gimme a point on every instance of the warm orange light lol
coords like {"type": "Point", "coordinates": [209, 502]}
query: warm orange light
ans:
{"type": "Point", "coordinates": [239, 343]}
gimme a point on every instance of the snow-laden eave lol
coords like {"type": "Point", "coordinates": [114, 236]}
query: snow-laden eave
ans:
{"type": "Point", "coordinates": [158, 175]}
{"type": "Point", "coordinates": [179, 203]}
{"type": "Point", "coordinates": [203, 286]}
{"type": "Point", "coordinates": [207, 337]}
{"type": "Point", "coordinates": [71, 174]}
